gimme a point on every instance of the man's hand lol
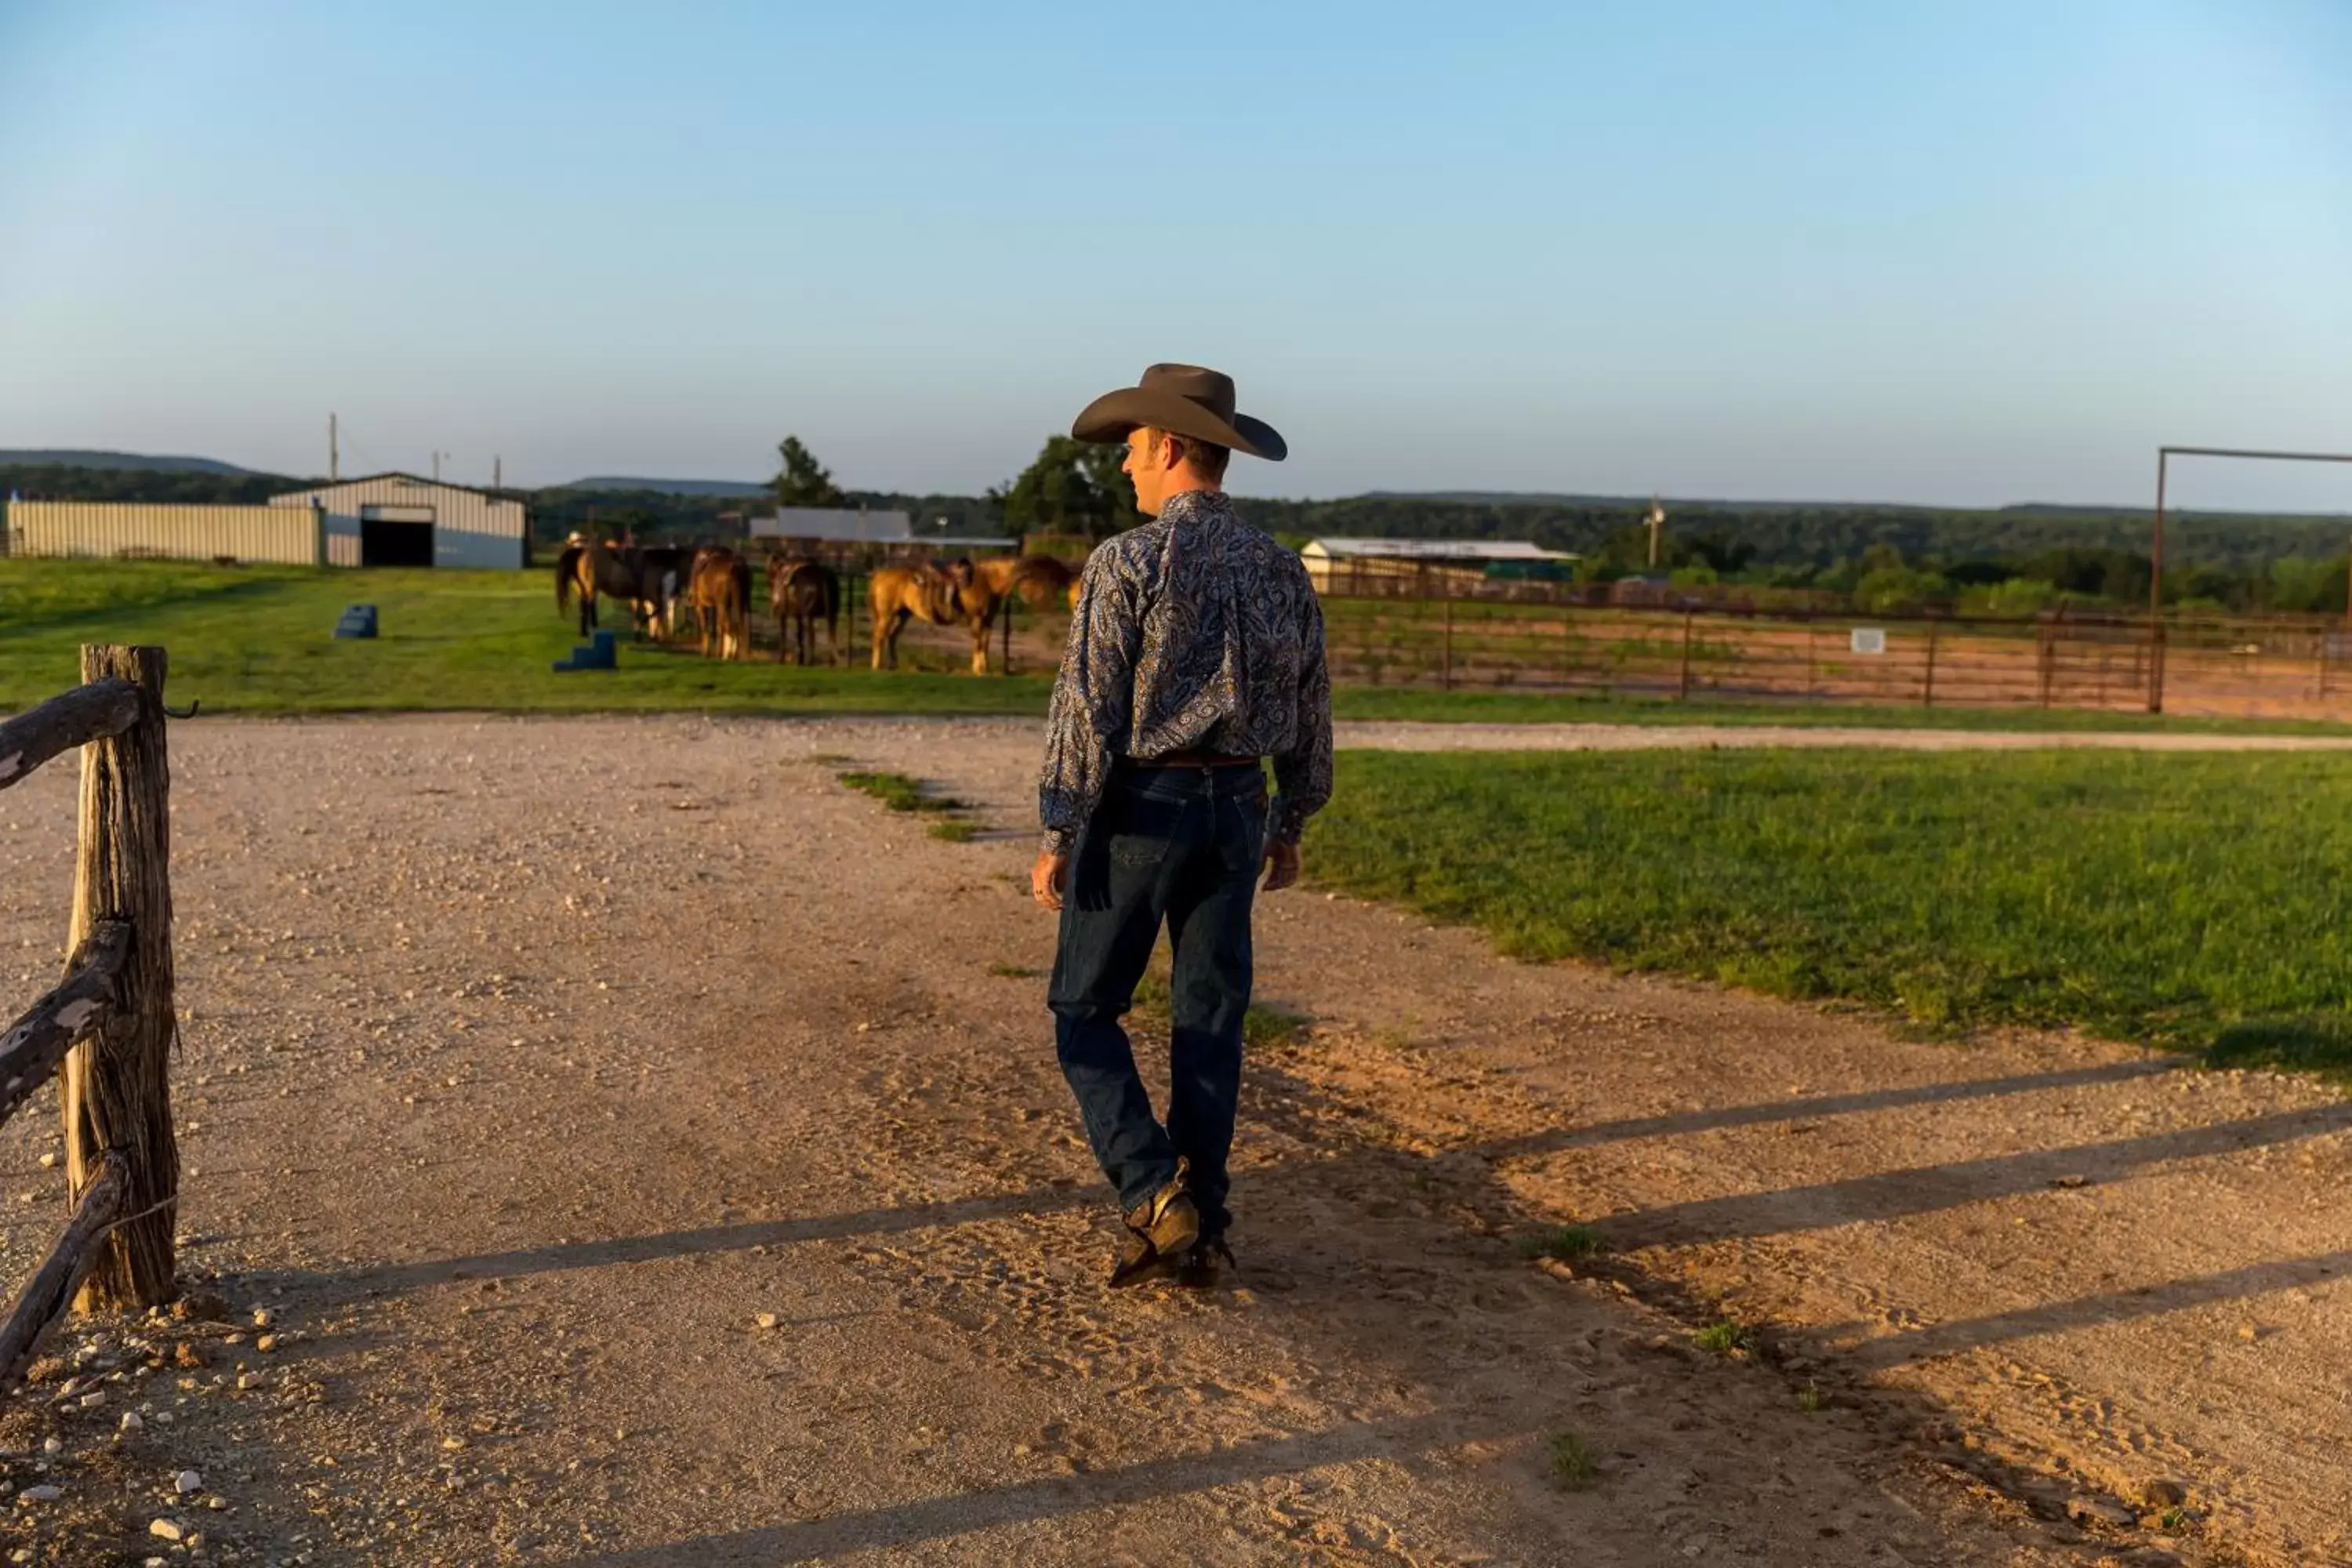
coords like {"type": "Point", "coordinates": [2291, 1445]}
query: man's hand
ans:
{"type": "Point", "coordinates": [1281, 865]}
{"type": "Point", "coordinates": [1048, 877]}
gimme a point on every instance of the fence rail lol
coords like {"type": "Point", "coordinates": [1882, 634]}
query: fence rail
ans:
{"type": "Point", "coordinates": [107, 1025]}
{"type": "Point", "coordinates": [1537, 637]}
{"type": "Point", "coordinates": [2278, 667]}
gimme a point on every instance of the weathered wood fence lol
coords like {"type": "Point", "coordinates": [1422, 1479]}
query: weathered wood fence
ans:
{"type": "Point", "coordinates": [108, 1023]}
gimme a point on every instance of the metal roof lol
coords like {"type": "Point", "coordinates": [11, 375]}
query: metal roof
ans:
{"type": "Point", "coordinates": [408, 481]}
{"type": "Point", "coordinates": [842, 524]}
{"type": "Point", "coordinates": [1431, 550]}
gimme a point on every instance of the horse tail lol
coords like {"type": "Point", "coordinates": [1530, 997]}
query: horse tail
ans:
{"type": "Point", "coordinates": [565, 565]}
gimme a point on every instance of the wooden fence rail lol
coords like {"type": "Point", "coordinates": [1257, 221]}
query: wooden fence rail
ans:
{"type": "Point", "coordinates": [44, 1300]}
{"type": "Point", "coordinates": [108, 1025]}
{"type": "Point", "coordinates": [86, 713]}
{"type": "Point", "coordinates": [35, 1046]}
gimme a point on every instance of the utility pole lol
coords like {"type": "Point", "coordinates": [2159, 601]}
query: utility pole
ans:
{"type": "Point", "coordinates": [334, 453]}
{"type": "Point", "coordinates": [498, 473]}
{"type": "Point", "coordinates": [438, 456]}
{"type": "Point", "coordinates": [1657, 521]}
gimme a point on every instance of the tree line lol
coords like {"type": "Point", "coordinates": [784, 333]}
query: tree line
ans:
{"type": "Point", "coordinates": [2004, 560]}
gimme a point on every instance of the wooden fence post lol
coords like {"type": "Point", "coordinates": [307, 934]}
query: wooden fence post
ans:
{"type": "Point", "coordinates": [117, 1092]}
{"type": "Point", "coordinates": [1928, 696]}
{"type": "Point", "coordinates": [1684, 694]}
{"type": "Point", "coordinates": [1449, 637]}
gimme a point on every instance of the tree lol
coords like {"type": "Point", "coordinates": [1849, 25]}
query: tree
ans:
{"type": "Point", "coordinates": [803, 481]}
{"type": "Point", "coordinates": [1072, 487]}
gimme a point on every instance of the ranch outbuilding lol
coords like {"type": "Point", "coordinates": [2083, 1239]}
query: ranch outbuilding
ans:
{"type": "Point", "coordinates": [384, 520]}
{"type": "Point", "coordinates": [399, 519]}
{"type": "Point", "coordinates": [1339, 565]}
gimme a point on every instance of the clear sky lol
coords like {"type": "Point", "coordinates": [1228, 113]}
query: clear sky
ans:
{"type": "Point", "coordinates": [1973, 252]}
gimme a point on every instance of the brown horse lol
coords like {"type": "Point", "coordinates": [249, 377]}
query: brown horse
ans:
{"type": "Point", "coordinates": [614, 571]}
{"type": "Point", "coordinates": [799, 591]}
{"type": "Point", "coordinates": [956, 593]}
{"type": "Point", "coordinates": [720, 589]}
{"type": "Point", "coordinates": [1035, 578]}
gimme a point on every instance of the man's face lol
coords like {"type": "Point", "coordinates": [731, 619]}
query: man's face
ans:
{"type": "Point", "coordinates": [1146, 464]}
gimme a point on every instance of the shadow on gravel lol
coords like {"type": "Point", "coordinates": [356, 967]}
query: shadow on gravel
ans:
{"type": "Point", "coordinates": [967, 1512]}
{"type": "Point", "coordinates": [1886, 1195]}
{"type": "Point", "coordinates": [556, 1258]}
{"type": "Point", "coordinates": [1346, 1198]}
{"type": "Point", "coordinates": [2091, 1312]}
{"type": "Point", "coordinates": [1717, 1117]}
{"type": "Point", "coordinates": [1890, 1195]}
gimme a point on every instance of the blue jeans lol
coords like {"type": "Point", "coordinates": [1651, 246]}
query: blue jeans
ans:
{"type": "Point", "coordinates": [1183, 845]}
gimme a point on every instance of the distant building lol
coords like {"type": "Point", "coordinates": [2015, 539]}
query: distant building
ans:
{"type": "Point", "coordinates": [839, 529]}
{"type": "Point", "coordinates": [384, 520]}
{"type": "Point", "coordinates": [162, 530]}
{"type": "Point", "coordinates": [399, 519]}
{"type": "Point", "coordinates": [1385, 565]}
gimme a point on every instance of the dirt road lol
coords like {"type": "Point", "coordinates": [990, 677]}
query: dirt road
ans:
{"type": "Point", "coordinates": [649, 1152]}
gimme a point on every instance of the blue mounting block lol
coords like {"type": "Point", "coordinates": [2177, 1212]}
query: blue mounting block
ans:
{"type": "Point", "coordinates": [359, 621]}
{"type": "Point", "coordinates": [601, 652]}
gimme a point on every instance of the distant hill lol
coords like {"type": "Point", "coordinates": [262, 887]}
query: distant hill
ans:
{"type": "Point", "coordinates": [119, 461]}
{"type": "Point", "coordinates": [2013, 509]}
{"type": "Point", "coordinates": [1559, 498]}
{"type": "Point", "coordinates": [667, 486]}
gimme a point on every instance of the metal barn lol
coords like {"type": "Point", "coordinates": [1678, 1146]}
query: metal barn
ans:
{"type": "Point", "coordinates": [399, 519]}
{"type": "Point", "coordinates": [132, 530]}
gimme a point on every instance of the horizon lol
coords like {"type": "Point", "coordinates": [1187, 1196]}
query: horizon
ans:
{"type": "Point", "coordinates": [1952, 255]}
{"type": "Point", "coordinates": [649, 483]}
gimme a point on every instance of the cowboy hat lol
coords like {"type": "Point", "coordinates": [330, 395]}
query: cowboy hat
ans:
{"type": "Point", "coordinates": [1183, 400]}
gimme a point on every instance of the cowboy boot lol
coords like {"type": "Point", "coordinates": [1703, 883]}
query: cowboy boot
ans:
{"type": "Point", "coordinates": [1162, 1225]}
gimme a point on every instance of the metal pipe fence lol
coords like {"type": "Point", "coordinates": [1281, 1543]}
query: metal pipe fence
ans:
{"type": "Point", "coordinates": [1428, 630]}
{"type": "Point", "coordinates": [2277, 667]}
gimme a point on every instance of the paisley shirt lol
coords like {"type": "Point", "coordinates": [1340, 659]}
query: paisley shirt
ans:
{"type": "Point", "coordinates": [1194, 632]}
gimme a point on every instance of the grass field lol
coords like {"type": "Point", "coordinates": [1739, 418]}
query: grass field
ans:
{"type": "Point", "coordinates": [2191, 901]}
{"type": "Point", "coordinates": [255, 639]}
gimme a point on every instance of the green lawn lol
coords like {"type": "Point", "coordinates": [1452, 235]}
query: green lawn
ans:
{"type": "Point", "coordinates": [255, 639]}
{"type": "Point", "coordinates": [2193, 901]}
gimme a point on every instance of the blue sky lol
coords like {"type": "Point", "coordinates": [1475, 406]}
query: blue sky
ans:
{"type": "Point", "coordinates": [1968, 252]}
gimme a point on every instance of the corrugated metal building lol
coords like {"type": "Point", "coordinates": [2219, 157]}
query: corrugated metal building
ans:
{"type": "Point", "coordinates": [292, 536]}
{"type": "Point", "coordinates": [836, 528]}
{"type": "Point", "coordinates": [399, 519]}
{"type": "Point", "coordinates": [1341, 565]}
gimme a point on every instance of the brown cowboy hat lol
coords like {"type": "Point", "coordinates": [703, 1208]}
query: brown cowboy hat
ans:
{"type": "Point", "coordinates": [1183, 400]}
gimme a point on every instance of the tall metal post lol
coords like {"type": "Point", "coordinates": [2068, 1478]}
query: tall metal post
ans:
{"type": "Point", "coordinates": [2156, 594]}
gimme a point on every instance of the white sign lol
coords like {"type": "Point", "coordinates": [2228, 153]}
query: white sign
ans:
{"type": "Point", "coordinates": [1869, 639]}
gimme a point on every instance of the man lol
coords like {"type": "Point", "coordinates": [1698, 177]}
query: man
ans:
{"type": "Point", "coordinates": [1195, 653]}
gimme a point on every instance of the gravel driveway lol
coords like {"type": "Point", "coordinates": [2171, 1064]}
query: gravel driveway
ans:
{"type": "Point", "coordinates": [649, 1152]}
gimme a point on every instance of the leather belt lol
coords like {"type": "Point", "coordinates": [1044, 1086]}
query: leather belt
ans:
{"type": "Point", "coordinates": [1203, 760]}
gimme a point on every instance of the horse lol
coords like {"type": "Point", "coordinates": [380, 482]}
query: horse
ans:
{"type": "Point", "coordinates": [720, 590]}
{"type": "Point", "coordinates": [596, 567]}
{"type": "Point", "coordinates": [668, 568]}
{"type": "Point", "coordinates": [800, 591]}
{"type": "Point", "coordinates": [1035, 578]}
{"type": "Point", "coordinates": [956, 593]}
